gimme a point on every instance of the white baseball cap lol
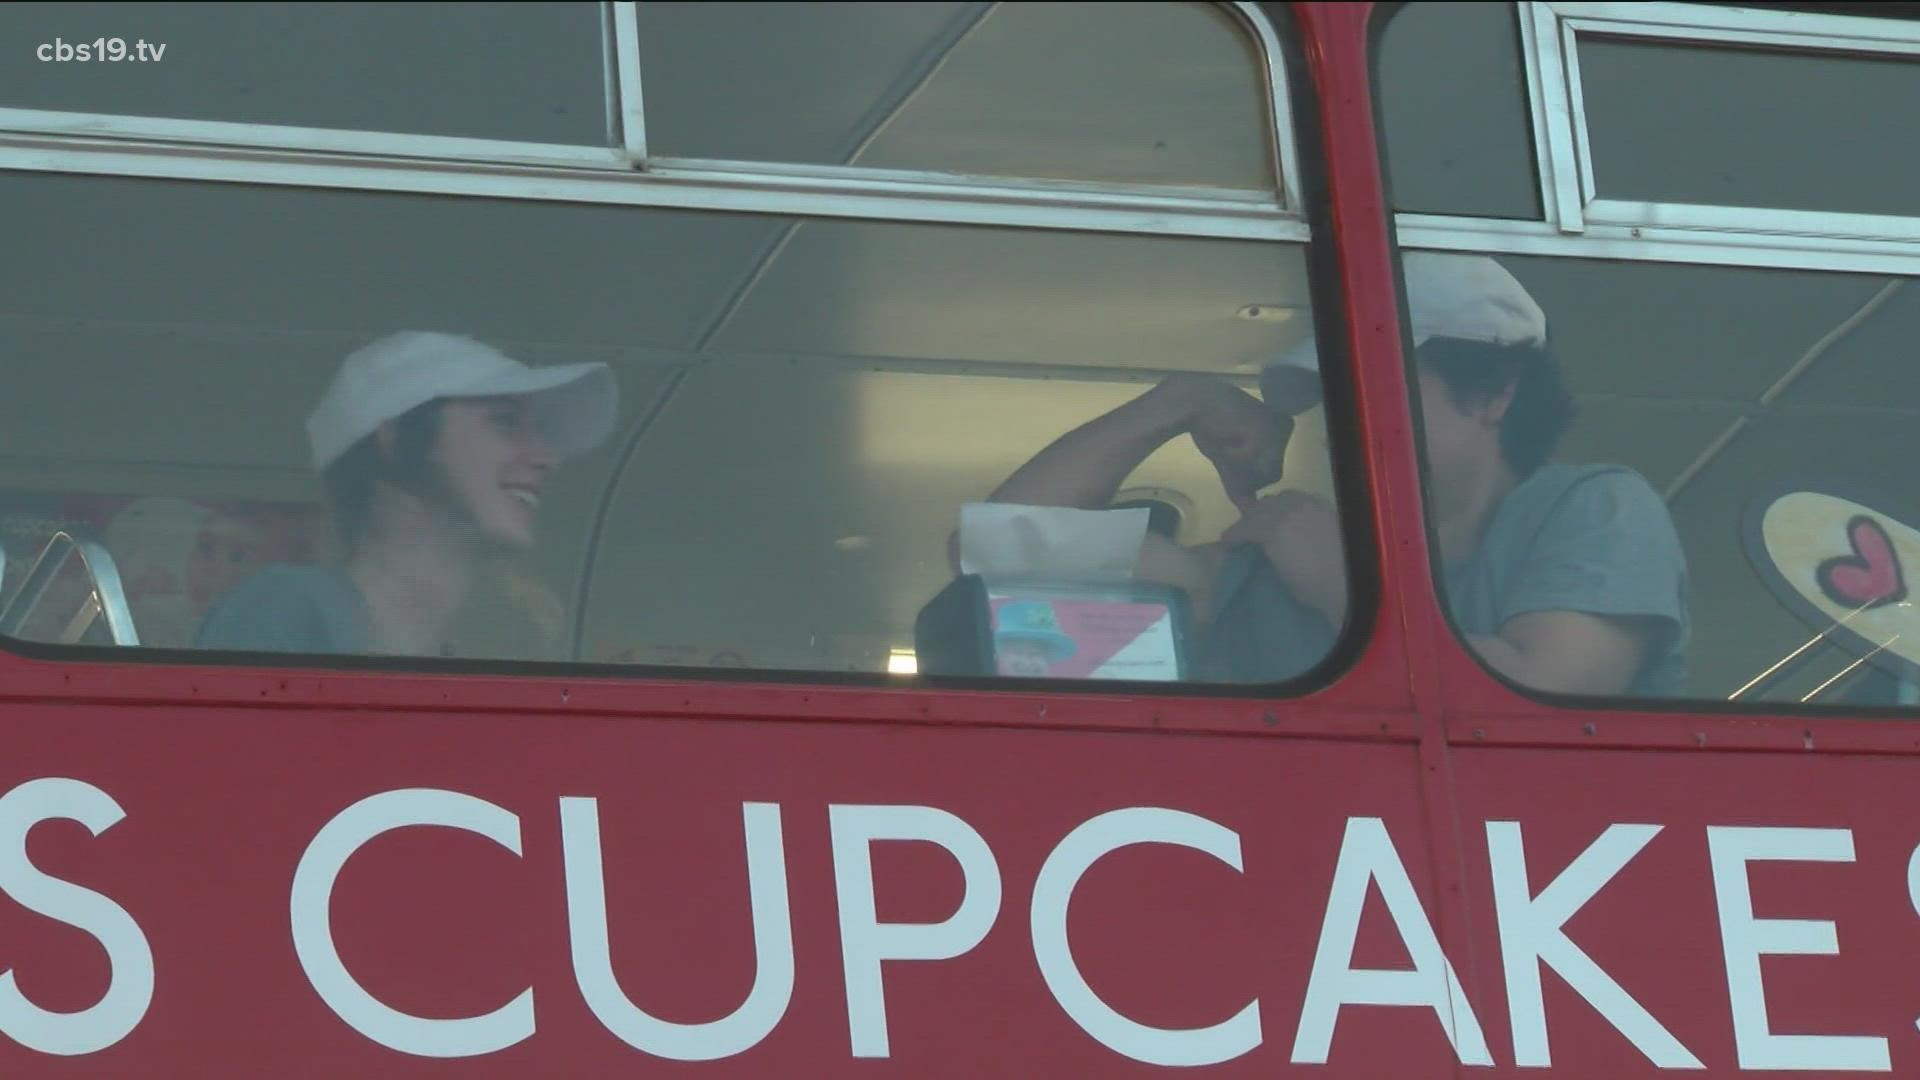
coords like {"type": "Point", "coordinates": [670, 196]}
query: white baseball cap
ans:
{"type": "Point", "coordinates": [574, 405]}
{"type": "Point", "coordinates": [1469, 297]}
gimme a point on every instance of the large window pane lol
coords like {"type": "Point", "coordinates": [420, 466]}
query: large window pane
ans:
{"type": "Point", "coordinates": [1712, 392]}
{"type": "Point", "coordinates": [1731, 127]}
{"type": "Point", "coordinates": [1453, 97]}
{"type": "Point", "coordinates": [1156, 93]}
{"type": "Point", "coordinates": [803, 408]}
{"type": "Point", "coordinates": [527, 72]}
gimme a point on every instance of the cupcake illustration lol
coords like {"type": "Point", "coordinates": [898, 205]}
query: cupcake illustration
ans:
{"type": "Point", "coordinates": [1027, 639]}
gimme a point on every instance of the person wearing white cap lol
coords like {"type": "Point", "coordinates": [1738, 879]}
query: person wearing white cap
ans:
{"type": "Point", "coordinates": [435, 451]}
{"type": "Point", "coordinates": [1562, 578]}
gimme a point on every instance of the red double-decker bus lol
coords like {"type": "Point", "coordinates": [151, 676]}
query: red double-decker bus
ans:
{"type": "Point", "coordinates": [959, 538]}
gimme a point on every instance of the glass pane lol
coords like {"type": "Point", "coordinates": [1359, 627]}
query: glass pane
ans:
{"type": "Point", "coordinates": [820, 399]}
{"type": "Point", "coordinates": [1453, 99]}
{"type": "Point", "coordinates": [1730, 127]}
{"type": "Point", "coordinates": [1158, 93]}
{"type": "Point", "coordinates": [530, 72]}
{"type": "Point", "coordinates": [1730, 430]}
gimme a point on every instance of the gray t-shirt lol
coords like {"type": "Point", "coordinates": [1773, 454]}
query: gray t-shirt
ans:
{"type": "Point", "coordinates": [1588, 538]}
{"type": "Point", "coordinates": [296, 609]}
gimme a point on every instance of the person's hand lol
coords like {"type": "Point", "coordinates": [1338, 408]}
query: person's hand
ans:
{"type": "Point", "coordinates": [1244, 440]}
{"type": "Point", "coordinates": [1300, 534]}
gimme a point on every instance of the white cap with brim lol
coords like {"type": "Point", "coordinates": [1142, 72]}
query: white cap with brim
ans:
{"type": "Point", "coordinates": [574, 405]}
{"type": "Point", "coordinates": [1468, 297]}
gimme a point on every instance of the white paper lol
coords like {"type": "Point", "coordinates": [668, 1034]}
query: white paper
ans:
{"type": "Point", "coordinates": [1050, 543]}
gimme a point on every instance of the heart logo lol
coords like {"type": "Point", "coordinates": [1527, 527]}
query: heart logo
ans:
{"type": "Point", "coordinates": [1870, 577]}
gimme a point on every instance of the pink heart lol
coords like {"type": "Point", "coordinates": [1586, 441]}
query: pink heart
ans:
{"type": "Point", "coordinates": [1871, 576]}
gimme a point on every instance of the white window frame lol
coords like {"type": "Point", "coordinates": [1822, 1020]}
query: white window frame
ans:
{"type": "Point", "coordinates": [1579, 220]}
{"type": "Point", "coordinates": [623, 173]}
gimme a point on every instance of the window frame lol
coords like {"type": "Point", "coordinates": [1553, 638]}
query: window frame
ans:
{"type": "Point", "coordinates": [797, 191]}
{"type": "Point", "coordinates": [1580, 220]}
{"type": "Point", "coordinates": [623, 172]}
{"type": "Point", "coordinates": [1483, 705]}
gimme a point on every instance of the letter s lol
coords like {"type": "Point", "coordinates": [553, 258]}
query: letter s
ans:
{"type": "Point", "coordinates": [130, 990]}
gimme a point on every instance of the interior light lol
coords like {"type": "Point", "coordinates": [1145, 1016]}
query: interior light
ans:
{"type": "Point", "coordinates": [902, 662]}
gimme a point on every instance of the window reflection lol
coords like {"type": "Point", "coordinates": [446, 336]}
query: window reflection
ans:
{"type": "Point", "coordinates": [1143, 93]}
{"type": "Point", "coordinates": [1772, 413]}
{"type": "Point", "coordinates": [803, 409]}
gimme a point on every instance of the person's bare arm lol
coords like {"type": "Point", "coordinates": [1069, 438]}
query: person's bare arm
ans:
{"type": "Point", "coordinates": [1568, 652]}
{"type": "Point", "coordinates": [1086, 466]}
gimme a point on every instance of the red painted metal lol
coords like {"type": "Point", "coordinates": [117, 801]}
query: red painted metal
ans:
{"type": "Point", "coordinates": [226, 774]}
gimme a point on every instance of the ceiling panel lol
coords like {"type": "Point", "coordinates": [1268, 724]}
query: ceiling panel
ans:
{"type": "Point", "coordinates": [1669, 330]}
{"type": "Point", "coordinates": [932, 292]}
{"type": "Point", "coordinates": [1657, 437]}
{"type": "Point", "coordinates": [280, 259]}
{"type": "Point", "coordinates": [784, 82]}
{"type": "Point", "coordinates": [1159, 93]}
{"type": "Point", "coordinates": [1874, 366]}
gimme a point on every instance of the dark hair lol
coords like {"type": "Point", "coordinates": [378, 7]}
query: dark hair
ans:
{"type": "Point", "coordinates": [354, 476]}
{"type": "Point", "coordinates": [1541, 409]}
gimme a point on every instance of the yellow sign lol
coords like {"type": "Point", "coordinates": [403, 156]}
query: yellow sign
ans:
{"type": "Point", "coordinates": [1848, 564]}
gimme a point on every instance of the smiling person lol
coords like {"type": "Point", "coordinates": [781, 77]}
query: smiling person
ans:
{"type": "Point", "coordinates": [435, 451]}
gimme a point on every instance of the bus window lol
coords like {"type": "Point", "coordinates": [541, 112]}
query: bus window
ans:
{"type": "Point", "coordinates": [803, 408]}
{"type": "Point", "coordinates": [1665, 458]}
{"type": "Point", "coordinates": [1160, 93]}
{"type": "Point", "coordinates": [1700, 397]}
{"type": "Point", "coordinates": [1468, 150]}
{"type": "Point", "coordinates": [527, 72]}
{"type": "Point", "coordinates": [1731, 127]}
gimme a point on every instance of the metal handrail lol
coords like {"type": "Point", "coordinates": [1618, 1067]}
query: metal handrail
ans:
{"type": "Point", "coordinates": [106, 598]}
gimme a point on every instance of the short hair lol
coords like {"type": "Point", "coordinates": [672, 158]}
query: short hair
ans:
{"type": "Point", "coordinates": [1541, 410]}
{"type": "Point", "coordinates": [356, 474]}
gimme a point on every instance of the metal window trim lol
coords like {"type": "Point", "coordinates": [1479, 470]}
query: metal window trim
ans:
{"type": "Point", "coordinates": [1815, 225]}
{"type": "Point", "coordinates": [1656, 243]}
{"type": "Point", "coordinates": [1285, 148]}
{"type": "Point", "coordinates": [626, 101]}
{"type": "Point", "coordinates": [112, 130]}
{"type": "Point", "coordinates": [799, 192]}
{"type": "Point", "coordinates": [1716, 25]}
{"type": "Point", "coordinates": [1556, 154]}
{"type": "Point", "coordinates": [1551, 34]}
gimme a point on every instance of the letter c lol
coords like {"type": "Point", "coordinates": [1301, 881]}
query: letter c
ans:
{"type": "Point", "coordinates": [1053, 890]}
{"type": "Point", "coordinates": [313, 931]}
{"type": "Point", "coordinates": [42, 51]}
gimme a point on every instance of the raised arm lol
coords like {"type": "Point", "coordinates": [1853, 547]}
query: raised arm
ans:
{"type": "Point", "coordinates": [1086, 466]}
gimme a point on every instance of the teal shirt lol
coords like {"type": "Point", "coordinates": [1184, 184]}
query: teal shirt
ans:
{"type": "Point", "coordinates": [292, 609]}
{"type": "Point", "coordinates": [1588, 538]}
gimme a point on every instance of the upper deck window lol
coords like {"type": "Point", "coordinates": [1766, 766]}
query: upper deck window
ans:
{"type": "Point", "coordinates": [522, 72]}
{"type": "Point", "coordinates": [1677, 123]}
{"type": "Point", "coordinates": [1704, 342]}
{"type": "Point", "coordinates": [1161, 94]}
{"type": "Point", "coordinates": [756, 401]}
{"type": "Point", "coordinates": [1453, 101]}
